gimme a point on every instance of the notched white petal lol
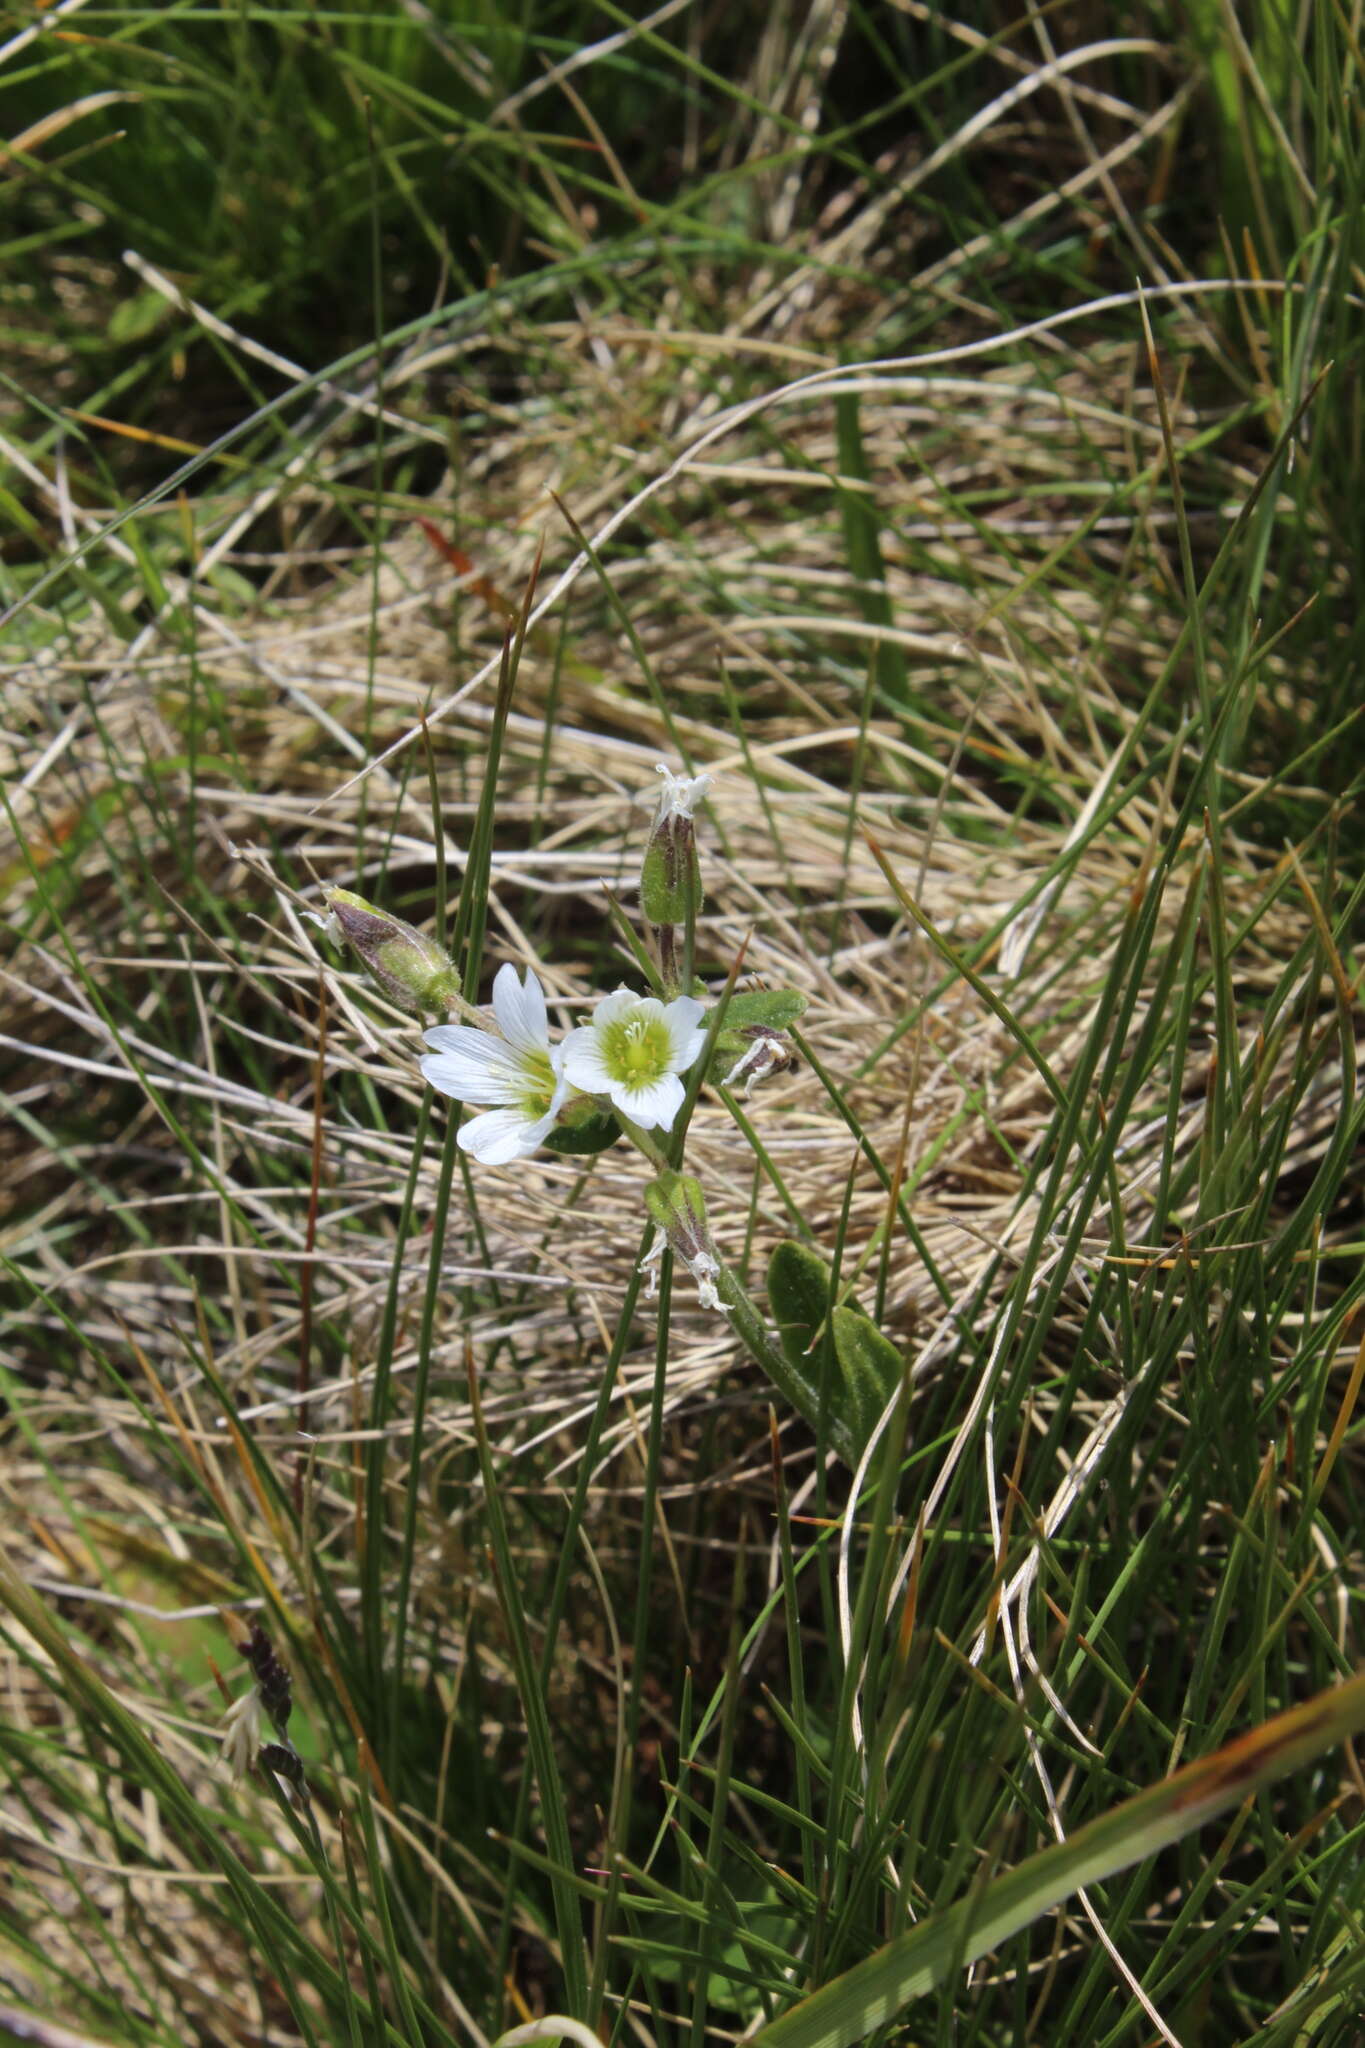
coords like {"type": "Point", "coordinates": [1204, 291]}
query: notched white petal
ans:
{"type": "Point", "coordinates": [612, 1007]}
{"type": "Point", "coordinates": [457, 1038]}
{"type": "Point", "coordinates": [653, 1106]}
{"type": "Point", "coordinates": [584, 1061]}
{"type": "Point", "coordinates": [520, 1010]}
{"type": "Point", "coordinates": [533, 1010]}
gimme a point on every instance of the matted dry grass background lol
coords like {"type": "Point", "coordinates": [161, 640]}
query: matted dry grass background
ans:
{"type": "Point", "coordinates": [734, 568]}
{"type": "Point", "coordinates": [1051, 680]}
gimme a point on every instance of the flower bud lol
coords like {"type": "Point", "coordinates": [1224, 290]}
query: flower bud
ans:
{"type": "Point", "coordinates": [408, 966]}
{"type": "Point", "coordinates": [678, 1209]}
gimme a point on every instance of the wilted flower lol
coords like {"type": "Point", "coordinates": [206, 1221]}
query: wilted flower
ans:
{"type": "Point", "coordinates": [633, 1052]}
{"type": "Point", "coordinates": [520, 1072]}
{"type": "Point", "coordinates": [270, 1699]}
{"type": "Point", "coordinates": [243, 1730]}
{"type": "Point", "coordinates": [755, 1034]}
{"type": "Point", "coordinates": [678, 1207]}
{"type": "Point", "coordinates": [670, 873]}
{"type": "Point", "coordinates": [768, 1052]}
{"type": "Point", "coordinates": [679, 796]}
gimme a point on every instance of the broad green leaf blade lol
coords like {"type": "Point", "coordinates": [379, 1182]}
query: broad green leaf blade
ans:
{"type": "Point", "coordinates": [580, 1141]}
{"type": "Point", "coordinates": [869, 1365]}
{"type": "Point", "coordinates": [798, 1293]}
{"type": "Point", "coordinates": [875, 1992]}
{"type": "Point", "coordinates": [770, 1009]}
{"type": "Point", "coordinates": [869, 1368]}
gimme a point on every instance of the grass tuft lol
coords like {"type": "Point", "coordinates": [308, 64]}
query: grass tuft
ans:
{"type": "Point", "coordinates": [944, 435]}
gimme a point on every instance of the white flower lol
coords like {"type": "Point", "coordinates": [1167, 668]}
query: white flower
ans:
{"type": "Point", "coordinates": [242, 1732]}
{"type": "Point", "coordinates": [680, 795]}
{"type": "Point", "coordinates": [633, 1051]}
{"type": "Point", "coordinates": [520, 1073]}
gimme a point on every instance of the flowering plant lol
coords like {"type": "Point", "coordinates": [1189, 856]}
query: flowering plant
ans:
{"type": "Point", "coordinates": [623, 1066]}
{"type": "Point", "coordinates": [631, 1068]}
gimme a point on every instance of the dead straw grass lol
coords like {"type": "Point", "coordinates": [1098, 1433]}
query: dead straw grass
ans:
{"type": "Point", "coordinates": [736, 568]}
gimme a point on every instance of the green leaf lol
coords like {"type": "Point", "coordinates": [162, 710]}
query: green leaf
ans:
{"type": "Point", "coordinates": [772, 1009]}
{"type": "Point", "coordinates": [869, 1363]}
{"type": "Point", "coordinates": [869, 1368]}
{"type": "Point", "coordinates": [577, 1141]}
{"type": "Point", "coordinates": [798, 1293]}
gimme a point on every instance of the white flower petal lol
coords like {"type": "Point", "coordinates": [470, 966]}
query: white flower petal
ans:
{"type": "Point", "coordinates": [584, 1060]}
{"type": "Point", "coordinates": [618, 1004]}
{"type": "Point", "coordinates": [681, 1019]}
{"type": "Point", "coordinates": [690, 1050]}
{"type": "Point", "coordinates": [502, 1135]}
{"type": "Point", "coordinates": [686, 1010]}
{"type": "Point", "coordinates": [473, 1067]}
{"type": "Point", "coordinates": [520, 1010]}
{"type": "Point", "coordinates": [653, 1105]}
{"type": "Point", "coordinates": [451, 1037]}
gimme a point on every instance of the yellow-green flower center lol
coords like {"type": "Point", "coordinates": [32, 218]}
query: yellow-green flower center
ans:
{"type": "Point", "coordinates": [636, 1051]}
{"type": "Point", "coordinates": [539, 1090]}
